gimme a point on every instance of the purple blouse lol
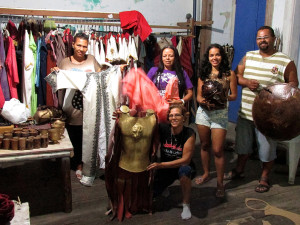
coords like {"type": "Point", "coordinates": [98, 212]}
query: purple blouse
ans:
{"type": "Point", "coordinates": [162, 79]}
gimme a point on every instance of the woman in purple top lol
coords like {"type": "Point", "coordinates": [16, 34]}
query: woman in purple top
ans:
{"type": "Point", "coordinates": [169, 66]}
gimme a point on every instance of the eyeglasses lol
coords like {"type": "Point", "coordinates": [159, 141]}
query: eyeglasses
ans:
{"type": "Point", "coordinates": [175, 115]}
{"type": "Point", "coordinates": [262, 38]}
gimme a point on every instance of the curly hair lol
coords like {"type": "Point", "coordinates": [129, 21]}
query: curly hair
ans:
{"type": "Point", "coordinates": [178, 106]}
{"type": "Point", "coordinates": [175, 67]}
{"type": "Point", "coordinates": [206, 67]}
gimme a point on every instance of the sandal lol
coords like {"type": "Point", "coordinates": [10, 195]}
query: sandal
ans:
{"type": "Point", "coordinates": [220, 192]}
{"type": "Point", "coordinates": [200, 180]}
{"type": "Point", "coordinates": [261, 188]}
{"type": "Point", "coordinates": [234, 175]}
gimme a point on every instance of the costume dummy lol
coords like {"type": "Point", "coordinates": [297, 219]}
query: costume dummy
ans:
{"type": "Point", "coordinates": [100, 99]}
{"type": "Point", "coordinates": [128, 182]}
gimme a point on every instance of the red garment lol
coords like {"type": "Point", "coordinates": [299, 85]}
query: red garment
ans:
{"type": "Point", "coordinates": [13, 31]}
{"type": "Point", "coordinates": [143, 93]}
{"type": "Point", "coordinates": [11, 67]}
{"type": "Point", "coordinates": [185, 57]}
{"type": "Point", "coordinates": [2, 99]}
{"type": "Point", "coordinates": [172, 91]}
{"type": "Point", "coordinates": [134, 19]}
{"type": "Point", "coordinates": [174, 41]}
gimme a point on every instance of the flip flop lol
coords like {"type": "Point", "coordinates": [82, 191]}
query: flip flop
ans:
{"type": "Point", "coordinates": [200, 180]}
{"type": "Point", "coordinates": [220, 193]}
{"type": "Point", "coordinates": [261, 188]}
{"type": "Point", "coordinates": [234, 175]}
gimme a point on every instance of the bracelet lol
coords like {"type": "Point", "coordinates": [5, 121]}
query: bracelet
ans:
{"type": "Point", "coordinates": [182, 101]}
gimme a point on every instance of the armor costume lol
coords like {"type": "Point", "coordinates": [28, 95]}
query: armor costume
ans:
{"type": "Point", "coordinates": [128, 182]}
{"type": "Point", "coordinates": [275, 109]}
{"type": "Point", "coordinates": [215, 91]}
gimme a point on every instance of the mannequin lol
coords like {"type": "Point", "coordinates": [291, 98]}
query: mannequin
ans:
{"type": "Point", "coordinates": [128, 182]}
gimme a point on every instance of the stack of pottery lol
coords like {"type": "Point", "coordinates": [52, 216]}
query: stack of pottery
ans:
{"type": "Point", "coordinates": [23, 139]}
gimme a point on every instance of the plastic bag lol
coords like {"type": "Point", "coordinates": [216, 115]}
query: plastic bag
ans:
{"type": "Point", "coordinates": [15, 111]}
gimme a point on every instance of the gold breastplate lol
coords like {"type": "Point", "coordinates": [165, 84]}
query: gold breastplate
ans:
{"type": "Point", "coordinates": [137, 133]}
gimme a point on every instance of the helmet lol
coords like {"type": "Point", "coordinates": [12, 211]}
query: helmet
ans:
{"type": "Point", "coordinates": [275, 111]}
{"type": "Point", "coordinates": [213, 92]}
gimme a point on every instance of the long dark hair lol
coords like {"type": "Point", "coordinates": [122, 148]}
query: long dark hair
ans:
{"type": "Point", "coordinates": [224, 67]}
{"type": "Point", "coordinates": [175, 67]}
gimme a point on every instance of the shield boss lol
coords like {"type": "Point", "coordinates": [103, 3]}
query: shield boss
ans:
{"type": "Point", "coordinates": [276, 111]}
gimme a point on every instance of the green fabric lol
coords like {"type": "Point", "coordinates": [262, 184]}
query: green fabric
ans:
{"type": "Point", "coordinates": [33, 47]}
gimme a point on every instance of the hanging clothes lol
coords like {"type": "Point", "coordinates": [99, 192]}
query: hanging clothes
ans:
{"type": "Point", "coordinates": [101, 98]}
{"type": "Point", "coordinates": [51, 99]}
{"type": "Point", "coordinates": [42, 84]}
{"type": "Point", "coordinates": [134, 19]}
{"type": "Point", "coordinates": [33, 47]}
{"type": "Point", "coordinates": [28, 64]}
{"type": "Point", "coordinates": [11, 67]}
{"type": "Point", "coordinates": [185, 56]}
{"type": "Point", "coordinates": [3, 75]}
{"type": "Point", "coordinates": [59, 48]}
{"type": "Point", "coordinates": [13, 31]}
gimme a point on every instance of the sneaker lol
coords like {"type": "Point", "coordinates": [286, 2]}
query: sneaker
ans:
{"type": "Point", "coordinates": [87, 181]}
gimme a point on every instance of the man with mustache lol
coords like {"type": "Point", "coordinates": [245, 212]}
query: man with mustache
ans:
{"type": "Point", "coordinates": [257, 70]}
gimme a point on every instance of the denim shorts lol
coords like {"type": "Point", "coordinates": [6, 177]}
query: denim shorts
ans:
{"type": "Point", "coordinates": [212, 119]}
{"type": "Point", "coordinates": [246, 134]}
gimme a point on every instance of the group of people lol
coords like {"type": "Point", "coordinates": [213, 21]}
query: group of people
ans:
{"type": "Point", "coordinates": [217, 84]}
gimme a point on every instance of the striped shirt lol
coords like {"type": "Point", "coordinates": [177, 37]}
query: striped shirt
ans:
{"type": "Point", "coordinates": [267, 71]}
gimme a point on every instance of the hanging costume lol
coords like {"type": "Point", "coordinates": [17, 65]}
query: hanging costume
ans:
{"type": "Point", "coordinates": [28, 64]}
{"type": "Point", "coordinates": [142, 92]}
{"type": "Point", "coordinates": [3, 75]}
{"type": "Point", "coordinates": [128, 182]}
{"type": "Point", "coordinates": [101, 97]}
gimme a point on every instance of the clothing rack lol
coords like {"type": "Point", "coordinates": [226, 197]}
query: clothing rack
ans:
{"type": "Point", "coordinates": [85, 18]}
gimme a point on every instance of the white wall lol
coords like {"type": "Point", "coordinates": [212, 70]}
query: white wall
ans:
{"type": "Point", "coordinates": [223, 26]}
{"type": "Point", "coordinates": [156, 12]}
{"type": "Point", "coordinates": [286, 18]}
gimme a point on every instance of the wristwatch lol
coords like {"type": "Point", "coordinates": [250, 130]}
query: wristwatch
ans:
{"type": "Point", "coordinates": [182, 101]}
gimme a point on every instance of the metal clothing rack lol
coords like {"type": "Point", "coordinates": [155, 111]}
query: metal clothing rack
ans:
{"type": "Point", "coordinates": [90, 18]}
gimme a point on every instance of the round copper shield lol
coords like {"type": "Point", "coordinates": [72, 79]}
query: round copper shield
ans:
{"type": "Point", "coordinates": [276, 111]}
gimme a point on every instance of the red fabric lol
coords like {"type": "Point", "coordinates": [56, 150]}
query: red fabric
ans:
{"type": "Point", "coordinates": [2, 99]}
{"type": "Point", "coordinates": [185, 57]}
{"type": "Point", "coordinates": [13, 31]}
{"type": "Point", "coordinates": [172, 91]}
{"type": "Point", "coordinates": [134, 19]}
{"type": "Point", "coordinates": [7, 209]}
{"type": "Point", "coordinates": [174, 41]}
{"type": "Point", "coordinates": [143, 93]}
{"type": "Point", "coordinates": [11, 67]}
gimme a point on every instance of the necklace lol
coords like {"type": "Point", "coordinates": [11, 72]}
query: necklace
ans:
{"type": "Point", "coordinates": [177, 138]}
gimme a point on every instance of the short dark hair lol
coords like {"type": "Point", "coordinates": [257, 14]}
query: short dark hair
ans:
{"type": "Point", "coordinates": [267, 28]}
{"type": "Point", "coordinates": [178, 106]}
{"type": "Point", "coordinates": [81, 36]}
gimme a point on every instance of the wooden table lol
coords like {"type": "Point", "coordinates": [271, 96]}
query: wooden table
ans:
{"type": "Point", "coordinates": [39, 176]}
